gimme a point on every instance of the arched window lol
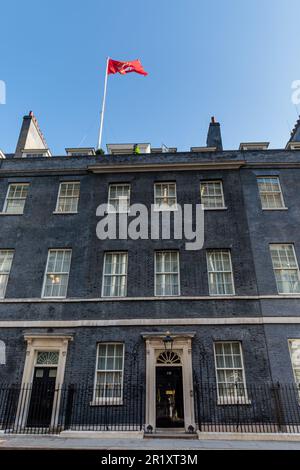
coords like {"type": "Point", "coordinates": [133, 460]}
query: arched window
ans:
{"type": "Point", "coordinates": [2, 353]}
{"type": "Point", "coordinates": [168, 357]}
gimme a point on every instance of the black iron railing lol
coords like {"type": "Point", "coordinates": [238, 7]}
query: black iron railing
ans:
{"type": "Point", "coordinates": [46, 409]}
{"type": "Point", "coordinates": [273, 408]}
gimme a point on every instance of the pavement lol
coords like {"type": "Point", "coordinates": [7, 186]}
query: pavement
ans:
{"type": "Point", "coordinates": [10, 442]}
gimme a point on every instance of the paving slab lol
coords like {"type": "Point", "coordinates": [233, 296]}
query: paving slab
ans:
{"type": "Point", "coordinates": [56, 442]}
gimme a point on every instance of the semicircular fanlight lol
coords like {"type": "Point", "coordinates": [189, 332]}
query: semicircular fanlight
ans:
{"type": "Point", "coordinates": [47, 357]}
{"type": "Point", "coordinates": [168, 357]}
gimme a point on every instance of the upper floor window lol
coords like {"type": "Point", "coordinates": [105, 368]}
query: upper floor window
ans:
{"type": "Point", "coordinates": [286, 268]}
{"type": "Point", "coordinates": [212, 196]}
{"type": "Point", "coordinates": [294, 347]}
{"type": "Point", "coordinates": [114, 275]}
{"type": "Point", "coordinates": [15, 198]}
{"type": "Point", "coordinates": [230, 371]}
{"type": "Point", "coordinates": [57, 273]}
{"type": "Point", "coordinates": [165, 196]}
{"type": "Point", "coordinates": [119, 197]}
{"type": "Point", "coordinates": [270, 192]}
{"type": "Point", "coordinates": [167, 273]}
{"type": "Point", "coordinates": [220, 277]}
{"type": "Point", "coordinates": [68, 197]}
{"type": "Point", "coordinates": [6, 257]}
{"type": "Point", "coordinates": [109, 372]}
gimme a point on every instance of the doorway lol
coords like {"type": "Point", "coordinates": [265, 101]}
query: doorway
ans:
{"type": "Point", "coordinates": [169, 397]}
{"type": "Point", "coordinates": [42, 397]}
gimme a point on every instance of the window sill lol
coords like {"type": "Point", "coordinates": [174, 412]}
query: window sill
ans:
{"type": "Point", "coordinates": [113, 296]}
{"type": "Point", "coordinates": [169, 295]}
{"type": "Point", "coordinates": [117, 212]}
{"type": "Point", "coordinates": [158, 209]}
{"type": "Point", "coordinates": [233, 401]}
{"type": "Point", "coordinates": [106, 402]}
{"type": "Point", "coordinates": [275, 209]}
{"type": "Point", "coordinates": [52, 297]}
{"type": "Point", "coordinates": [222, 295]}
{"type": "Point", "coordinates": [11, 213]}
{"type": "Point", "coordinates": [215, 208]}
{"type": "Point", "coordinates": [64, 213]}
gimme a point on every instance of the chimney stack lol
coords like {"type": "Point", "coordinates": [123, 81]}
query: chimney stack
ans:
{"type": "Point", "coordinates": [214, 138]}
{"type": "Point", "coordinates": [31, 137]}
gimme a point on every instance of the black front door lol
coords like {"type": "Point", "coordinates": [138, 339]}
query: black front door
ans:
{"type": "Point", "coordinates": [169, 397]}
{"type": "Point", "coordinates": [42, 396]}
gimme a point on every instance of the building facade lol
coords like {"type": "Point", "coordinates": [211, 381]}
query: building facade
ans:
{"type": "Point", "coordinates": [144, 322]}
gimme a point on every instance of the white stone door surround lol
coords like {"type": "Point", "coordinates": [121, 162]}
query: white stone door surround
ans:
{"type": "Point", "coordinates": [182, 345]}
{"type": "Point", "coordinates": [35, 344]}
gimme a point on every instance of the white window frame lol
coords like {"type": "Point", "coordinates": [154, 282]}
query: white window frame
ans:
{"type": "Point", "coordinates": [7, 273]}
{"type": "Point", "coordinates": [294, 367]}
{"type": "Point", "coordinates": [165, 208]}
{"type": "Point", "coordinates": [222, 194]}
{"type": "Point", "coordinates": [291, 269]}
{"type": "Point", "coordinates": [57, 211]}
{"type": "Point", "coordinates": [111, 275]}
{"type": "Point", "coordinates": [155, 273]}
{"type": "Point", "coordinates": [282, 207]}
{"type": "Point", "coordinates": [231, 271]}
{"type": "Point", "coordinates": [46, 273]}
{"type": "Point", "coordinates": [110, 207]}
{"type": "Point", "coordinates": [7, 198]}
{"type": "Point", "coordinates": [235, 399]}
{"type": "Point", "coordinates": [108, 400]}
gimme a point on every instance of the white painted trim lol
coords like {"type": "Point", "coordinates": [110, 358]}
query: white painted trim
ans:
{"type": "Point", "coordinates": [182, 345]}
{"type": "Point", "coordinates": [234, 164]}
{"type": "Point", "coordinates": [131, 299]}
{"type": "Point", "coordinates": [37, 343]}
{"type": "Point", "coordinates": [149, 322]}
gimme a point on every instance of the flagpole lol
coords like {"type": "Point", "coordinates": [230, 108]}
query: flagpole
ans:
{"type": "Point", "coordinates": [103, 106]}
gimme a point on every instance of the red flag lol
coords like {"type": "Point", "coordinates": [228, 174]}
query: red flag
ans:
{"type": "Point", "coordinates": [115, 66]}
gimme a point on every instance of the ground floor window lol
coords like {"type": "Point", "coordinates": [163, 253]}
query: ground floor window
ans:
{"type": "Point", "coordinates": [229, 370]}
{"type": "Point", "coordinates": [294, 345]}
{"type": "Point", "coordinates": [109, 371]}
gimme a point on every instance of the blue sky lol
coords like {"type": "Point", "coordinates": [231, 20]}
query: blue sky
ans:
{"type": "Point", "coordinates": [229, 58]}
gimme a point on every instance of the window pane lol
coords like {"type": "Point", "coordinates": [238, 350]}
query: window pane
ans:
{"type": "Point", "coordinates": [119, 197]}
{"type": "Point", "coordinates": [115, 275]}
{"type": "Point", "coordinates": [270, 192]}
{"type": "Point", "coordinates": [167, 273]}
{"type": "Point", "coordinates": [220, 277]}
{"type": "Point", "coordinates": [68, 197]}
{"type": "Point", "coordinates": [212, 194]}
{"type": "Point", "coordinates": [165, 196]}
{"type": "Point", "coordinates": [229, 369]}
{"type": "Point", "coordinates": [109, 370]}
{"type": "Point", "coordinates": [285, 268]}
{"type": "Point", "coordinates": [16, 197]}
{"type": "Point", "coordinates": [57, 273]}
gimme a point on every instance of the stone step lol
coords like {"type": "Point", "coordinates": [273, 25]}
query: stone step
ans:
{"type": "Point", "coordinates": [170, 435]}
